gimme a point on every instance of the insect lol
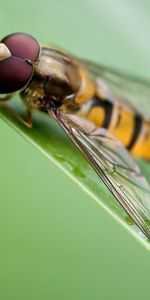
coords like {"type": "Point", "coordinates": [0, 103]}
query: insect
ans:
{"type": "Point", "coordinates": [95, 106]}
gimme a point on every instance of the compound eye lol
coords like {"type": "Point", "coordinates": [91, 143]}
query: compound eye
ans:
{"type": "Point", "coordinates": [14, 74]}
{"type": "Point", "coordinates": [22, 45]}
{"type": "Point", "coordinates": [15, 70]}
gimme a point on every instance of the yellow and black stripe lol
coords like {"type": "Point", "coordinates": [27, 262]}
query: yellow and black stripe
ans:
{"type": "Point", "coordinates": [130, 128]}
{"type": "Point", "coordinates": [136, 131]}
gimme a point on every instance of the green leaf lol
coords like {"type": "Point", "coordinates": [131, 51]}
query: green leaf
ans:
{"type": "Point", "coordinates": [53, 143]}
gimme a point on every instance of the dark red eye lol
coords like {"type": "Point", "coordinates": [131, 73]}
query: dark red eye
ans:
{"type": "Point", "coordinates": [22, 45]}
{"type": "Point", "coordinates": [15, 71]}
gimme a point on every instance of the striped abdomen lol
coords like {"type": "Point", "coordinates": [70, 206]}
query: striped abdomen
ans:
{"type": "Point", "coordinates": [131, 129]}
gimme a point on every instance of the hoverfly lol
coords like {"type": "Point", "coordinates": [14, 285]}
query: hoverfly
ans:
{"type": "Point", "coordinates": [93, 106]}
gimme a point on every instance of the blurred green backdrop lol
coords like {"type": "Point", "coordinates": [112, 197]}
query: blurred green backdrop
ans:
{"type": "Point", "coordinates": [55, 242]}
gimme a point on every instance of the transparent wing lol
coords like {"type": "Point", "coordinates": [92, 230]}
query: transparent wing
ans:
{"type": "Point", "coordinates": [113, 164]}
{"type": "Point", "coordinates": [125, 89]}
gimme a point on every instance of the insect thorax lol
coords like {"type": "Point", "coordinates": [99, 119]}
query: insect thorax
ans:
{"type": "Point", "coordinates": [55, 78]}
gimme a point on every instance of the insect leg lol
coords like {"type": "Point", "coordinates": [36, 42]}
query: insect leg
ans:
{"type": "Point", "coordinates": [6, 98]}
{"type": "Point", "coordinates": [27, 122]}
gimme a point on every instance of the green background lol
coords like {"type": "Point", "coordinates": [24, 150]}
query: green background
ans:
{"type": "Point", "coordinates": [56, 243]}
